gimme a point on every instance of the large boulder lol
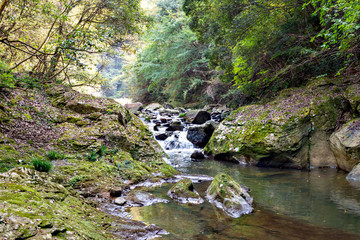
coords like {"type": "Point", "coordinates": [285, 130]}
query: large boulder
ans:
{"type": "Point", "coordinates": [345, 144]}
{"type": "Point", "coordinates": [199, 135]}
{"type": "Point", "coordinates": [292, 131]}
{"type": "Point", "coordinates": [197, 116]}
{"type": "Point", "coordinates": [184, 192]}
{"type": "Point", "coordinates": [153, 107]}
{"type": "Point", "coordinates": [229, 196]}
{"type": "Point", "coordinates": [134, 107]}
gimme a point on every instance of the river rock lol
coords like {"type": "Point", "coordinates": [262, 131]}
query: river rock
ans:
{"type": "Point", "coordinates": [197, 155]}
{"type": "Point", "coordinates": [354, 175]}
{"type": "Point", "coordinates": [345, 144]}
{"type": "Point", "coordinates": [134, 107]}
{"type": "Point", "coordinates": [292, 131]}
{"type": "Point", "coordinates": [161, 137]}
{"type": "Point", "coordinates": [153, 107]}
{"type": "Point", "coordinates": [168, 112]}
{"type": "Point", "coordinates": [142, 198]}
{"type": "Point", "coordinates": [120, 201]}
{"type": "Point", "coordinates": [184, 192]}
{"type": "Point", "coordinates": [228, 195]}
{"type": "Point", "coordinates": [173, 128]}
{"type": "Point", "coordinates": [116, 192]}
{"type": "Point", "coordinates": [199, 135]}
{"type": "Point", "coordinates": [197, 116]}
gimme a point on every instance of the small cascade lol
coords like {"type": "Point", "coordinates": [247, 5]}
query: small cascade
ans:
{"type": "Point", "coordinates": [170, 131]}
{"type": "Point", "coordinates": [177, 141]}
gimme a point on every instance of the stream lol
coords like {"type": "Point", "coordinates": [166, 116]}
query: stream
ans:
{"type": "Point", "coordinates": [288, 204]}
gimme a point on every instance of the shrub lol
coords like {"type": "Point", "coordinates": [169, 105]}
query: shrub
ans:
{"type": "Point", "coordinates": [76, 179]}
{"type": "Point", "coordinates": [102, 151]}
{"type": "Point", "coordinates": [54, 155]}
{"type": "Point", "coordinates": [92, 157]}
{"type": "Point", "coordinates": [182, 115]}
{"type": "Point", "coordinates": [41, 165]}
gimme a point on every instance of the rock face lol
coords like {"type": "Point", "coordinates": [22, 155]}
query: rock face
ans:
{"type": "Point", "coordinates": [199, 135]}
{"type": "Point", "coordinates": [345, 144]}
{"type": "Point", "coordinates": [184, 192]}
{"type": "Point", "coordinates": [229, 196]}
{"type": "Point", "coordinates": [292, 131]}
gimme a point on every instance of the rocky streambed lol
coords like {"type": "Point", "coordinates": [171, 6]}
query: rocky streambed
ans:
{"type": "Point", "coordinates": [312, 202]}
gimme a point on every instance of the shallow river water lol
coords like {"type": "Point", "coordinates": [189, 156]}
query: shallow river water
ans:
{"type": "Point", "coordinates": [289, 204]}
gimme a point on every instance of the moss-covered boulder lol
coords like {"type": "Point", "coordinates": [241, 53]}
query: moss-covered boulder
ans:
{"type": "Point", "coordinates": [345, 144]}
{"type": "Point", "coordinates": [291, 131]}
{"type": "Point", "coordinates": [228, 195]}
{"type": "Point", "coordinates": [184, 192]}
{"type": "Point", "coordinates": [353, 95]}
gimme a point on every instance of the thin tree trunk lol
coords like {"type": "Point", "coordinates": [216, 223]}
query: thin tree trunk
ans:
{"type": "Point", "coordinates": [2, 6]}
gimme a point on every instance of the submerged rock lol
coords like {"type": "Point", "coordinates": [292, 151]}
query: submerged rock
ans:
{"type": "Point", "coordinates": [229, 196]}
{"type": "Point", "coordinates": [184, 192]}
{"type": "Point", "coordinates": [142, 198]}
{"type": "Point", "coordinates": [345, 144]}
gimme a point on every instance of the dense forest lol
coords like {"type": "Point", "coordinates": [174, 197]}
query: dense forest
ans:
{"type": "Point", "coordinates": [187, 52]}
{"type": "Point", "coordinates": [232, 52]}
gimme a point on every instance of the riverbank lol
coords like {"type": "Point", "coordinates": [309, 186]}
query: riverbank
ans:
{"type": "Point", "coordinates": [96, 148]}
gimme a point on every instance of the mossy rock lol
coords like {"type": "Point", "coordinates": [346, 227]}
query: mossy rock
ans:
{"type": "Point", "coordinates": [184, 192]}
{"type": "Point", "coordinates": [352, 94]}
{"type": "Point", "coordinates": [229, 196]}
{"type": "Point", "coordinates": [277, 133]}
{"type": "Point", "coordinates": [345, 143]}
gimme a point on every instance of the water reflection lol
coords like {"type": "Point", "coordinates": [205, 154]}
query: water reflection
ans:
{"type": "Point", "coordinates": [289, 204]}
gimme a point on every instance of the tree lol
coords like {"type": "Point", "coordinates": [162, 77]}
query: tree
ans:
{"type": "Point", "coordinates": [53, 38]}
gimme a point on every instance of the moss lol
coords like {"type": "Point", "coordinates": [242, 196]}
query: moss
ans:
{"type": "Point", "coordinates": [352, 94]}
{"type": "Point", "coordinates": [184, 189]}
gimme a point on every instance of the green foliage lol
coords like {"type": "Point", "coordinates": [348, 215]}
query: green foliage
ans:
{"type": "Point", "coordinates": [92, 156]}
{"type": "Point", "coordinates": [7, 80]}
{"type": "Point", "coordinates": [269, 45]}
{"type": "Point", "coordinates": [171, 66]}
{"type": "Point", "coordinates": [102, 151]}
{"type": "Point", "coordinates": [55, 39]}
{"type": "Point", "coordinates": [76, 179]}
{"type": "Point", "coordinates": [54, 155]}
{"type": "Point", "coordinates": [340, 22]}
{"type": "Point", "coordinates": [41, 165]}
{"type": "Point", "coordinates": [181, 115]}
